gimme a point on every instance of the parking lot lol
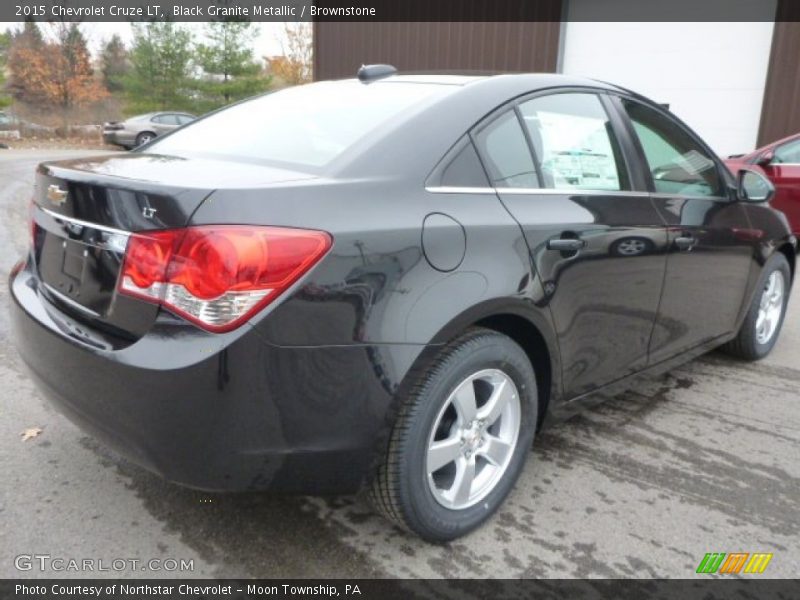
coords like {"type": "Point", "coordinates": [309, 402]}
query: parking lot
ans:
{"type": "Point", "coordinates": [705, 459]}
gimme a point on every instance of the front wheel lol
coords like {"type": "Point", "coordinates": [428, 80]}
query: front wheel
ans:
{"type": "Point", "coordinates": [461, 438]}
{"type": "Point", "coordinates": [764, 319]}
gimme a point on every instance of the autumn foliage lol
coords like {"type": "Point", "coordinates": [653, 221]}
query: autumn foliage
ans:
{"type": "Point", "coordinates": [56, 74]}
{"type": "Point", "coordinates": [294, 67]}
{"type": "Point", "coordinates": [51, 79]}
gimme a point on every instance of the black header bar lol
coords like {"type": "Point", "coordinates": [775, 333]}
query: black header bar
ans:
{"type": "Point", "coordinates": [387, 10]}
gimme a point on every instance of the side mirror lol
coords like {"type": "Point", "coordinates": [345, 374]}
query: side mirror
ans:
{"type": "Point", "coordinates": [753, 187]}
{"type": "Point", "coordinates": [765, 159]}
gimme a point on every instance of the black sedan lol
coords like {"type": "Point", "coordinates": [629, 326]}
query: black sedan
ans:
{"type": "Point", "coordinates": [389, 283]}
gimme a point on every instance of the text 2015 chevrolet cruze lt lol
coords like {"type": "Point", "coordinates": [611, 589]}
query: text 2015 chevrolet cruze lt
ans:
{"type": "Point", "coordinates": [389, 282]}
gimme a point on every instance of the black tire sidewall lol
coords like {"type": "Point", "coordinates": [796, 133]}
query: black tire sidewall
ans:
{"type": "Point", "coordinates": [490, 351]}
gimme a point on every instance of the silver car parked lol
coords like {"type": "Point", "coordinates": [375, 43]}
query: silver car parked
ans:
{"type": "Point", "coordinates": [141, 129]}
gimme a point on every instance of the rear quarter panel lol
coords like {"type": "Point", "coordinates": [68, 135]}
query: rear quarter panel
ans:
{"type": "Point", "coordinates": [376, 285]}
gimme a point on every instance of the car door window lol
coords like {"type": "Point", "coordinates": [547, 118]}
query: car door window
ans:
{"type": "Point", "coordinates": [165, 120]}
{"type": "Point", "coordinates": [506, 154]}
{"type": "Point", "coordinates": [677, 162]}
{"type": "Point", "coordinates": [574, 142]}
{"type": "Point", "coordinates": [183, 119]}
{"type": "Point", "coordinates": [788, 153]}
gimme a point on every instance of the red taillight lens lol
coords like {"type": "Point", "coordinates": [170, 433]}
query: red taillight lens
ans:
{"type": "Point", "coordinates": [147, 257]}
{"type": "Point", "coordinates": [218, 276]}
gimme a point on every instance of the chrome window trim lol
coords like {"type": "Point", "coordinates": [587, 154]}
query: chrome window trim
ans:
{"type": "Point", "coordinates": [688, 196]}
{"type": "Point", "coordinates": [573, 192]}
{"type": "Point", "coordinates": [563, 192]}
{"type": "Point", "coordinates": [534, 191]}
{"type": "Point", "coordinates": [451, 189]}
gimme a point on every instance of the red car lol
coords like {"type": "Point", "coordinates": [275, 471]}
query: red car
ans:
{"type": "Point", "coordinates": [780, 161]}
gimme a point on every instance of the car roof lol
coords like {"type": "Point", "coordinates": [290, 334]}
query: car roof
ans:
{"type": "Point", "coordinates": [529, 81]}
{"type": "Point", "coordinates": [788, 138]}
{"type": "Point", "coordinates": [446, 118]}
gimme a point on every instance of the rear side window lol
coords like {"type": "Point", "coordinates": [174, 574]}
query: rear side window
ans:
{"type": "Point", "coordinates": [506, 154]}
{"type": "Point", "coordinates": [307, 125]}
{"type": "Point", "coordinates": [788, 153]}
{"type": "Point", "coordinates": [574, 142]}
{"type": "Point", "coordinates": [678, 163]}
{"type": "Point", "coordinates": [464, 170]}
{"type": "Point", "coordinates": [165, 120]}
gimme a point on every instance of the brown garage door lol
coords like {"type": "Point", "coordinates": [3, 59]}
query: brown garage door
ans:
{"type": "Point", "coordinates": [340, 48]}
{"type": "Point", "coordinates": [780, 115]}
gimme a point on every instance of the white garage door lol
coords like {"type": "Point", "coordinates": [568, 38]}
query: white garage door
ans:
{"type": "Point", "coordinates": [711, 74]}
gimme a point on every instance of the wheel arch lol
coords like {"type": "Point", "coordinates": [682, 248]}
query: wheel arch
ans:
{"type": "Point", "coordinates": [528, 325]}
{"type": "Point", "coordinates": [526, 334]}
{"type": "Point", "coordinates": [788, 250]}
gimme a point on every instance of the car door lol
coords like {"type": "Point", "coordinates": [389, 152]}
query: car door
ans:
{"type": "Point", "coordinates": [784, 171]}
{"type": "Point", "coordinates": [709, 234]}
{"type": "Point", "coordinates": [595, 241]}
{"type": "Point", "coordinates": [164, 123]}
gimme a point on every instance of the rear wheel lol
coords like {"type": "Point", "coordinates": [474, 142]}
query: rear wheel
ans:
{"type": "Point", "coordinates": [764, 319]}
{"type": "Point", "coordinates": [461, 438]}
{"type": "Point", "coordinates": [144, 137]}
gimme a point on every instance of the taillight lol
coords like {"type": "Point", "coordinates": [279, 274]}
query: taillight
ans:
{"type": "Point", "coordinates": [218, 276]}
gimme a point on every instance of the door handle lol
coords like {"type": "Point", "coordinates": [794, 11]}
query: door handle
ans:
{"type": "Point", "coordinates": [565, 244]}
{"type": "Point", "coordinates": [685, 242]}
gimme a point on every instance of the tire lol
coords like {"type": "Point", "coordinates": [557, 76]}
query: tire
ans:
{"type": "Point", "coordinates": [430, 505]}
{"type": "Point", "coordinates": [751, 343]}
{"type": "Point", "coordinates": [631, 246]}
{"type": "Point", "coordinates": [144, 137]}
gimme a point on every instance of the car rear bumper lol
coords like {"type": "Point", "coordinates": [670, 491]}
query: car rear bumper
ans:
{"type": "Point", "coordinates": [216, 412]}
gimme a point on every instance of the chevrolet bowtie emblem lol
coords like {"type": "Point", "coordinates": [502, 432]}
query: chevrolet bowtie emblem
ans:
{"type": "Point", "coordinates": [56, 195]}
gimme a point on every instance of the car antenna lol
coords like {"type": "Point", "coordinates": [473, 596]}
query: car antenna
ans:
{"type": "Point", "coordinates": [369, 73]}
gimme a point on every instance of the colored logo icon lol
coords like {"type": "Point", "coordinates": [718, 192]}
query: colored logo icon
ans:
{"type": "Point", "coordinates": [734, 562]}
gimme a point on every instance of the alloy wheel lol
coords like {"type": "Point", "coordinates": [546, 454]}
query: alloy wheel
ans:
{"type": "Point", "coordinates": [770, 308]}
{"type": "Point", "coordinates": [631, 247]}
{"type": "Point", "coordinates": [473, 439]}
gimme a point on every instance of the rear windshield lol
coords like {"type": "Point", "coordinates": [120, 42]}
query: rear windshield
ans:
{"type": "Point", "coordinates": [306, 125]}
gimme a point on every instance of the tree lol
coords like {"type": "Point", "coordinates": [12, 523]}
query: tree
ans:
{"type": "Point", "coordinates": [27, 66]}
{"type": "Point", "coordinates": [230, 72]}
{"type": "Point", "coordinates": [5, 46]}
{"type": "Point", "coordinates": [295, 66]}
{"type": "Point", "coordinates": [160, 73]}
{"type": "Point", "coordinates": [73, 80]}
{"type": "Point", "coordinates": [114, 63]}
{"type": "Point", "coordinates": [55, 74]}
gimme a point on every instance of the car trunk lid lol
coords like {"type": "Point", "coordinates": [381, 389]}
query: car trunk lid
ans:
{"type": "Point", "coordinates": [84, 211]}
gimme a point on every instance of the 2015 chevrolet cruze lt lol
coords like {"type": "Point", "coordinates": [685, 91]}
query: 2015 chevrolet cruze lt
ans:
{"type": "Point", "coordinates": [389, 283]}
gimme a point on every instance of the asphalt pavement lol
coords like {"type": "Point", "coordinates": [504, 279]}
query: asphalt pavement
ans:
{"type": "Point", "coordinates": [704, 459]}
